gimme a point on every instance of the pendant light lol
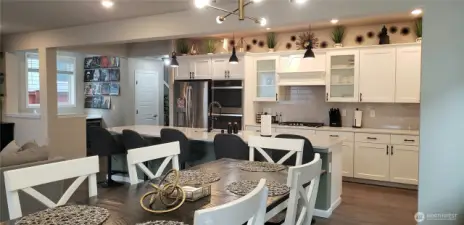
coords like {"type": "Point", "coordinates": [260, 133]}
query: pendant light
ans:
{"type": "Point", "coordinates": [233, 58]}
{"type": "Point", "coordinates": [174, 62]}
{"type": "Point", "coordinates": [309, 51]}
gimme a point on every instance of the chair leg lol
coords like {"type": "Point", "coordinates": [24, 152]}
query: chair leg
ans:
{"type": "Point", "coordinates": [109, 181]}
{"type": "Point", "coordinates": [313, 221]}
{"type": "Point", "coordinates": [145, 177]}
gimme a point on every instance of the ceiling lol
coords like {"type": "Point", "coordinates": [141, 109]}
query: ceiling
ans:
{"type": "Point", "coordinates": [33, 15]}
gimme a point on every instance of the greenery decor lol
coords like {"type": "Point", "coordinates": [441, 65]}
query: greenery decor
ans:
{"type": "Point", "coordinates": [271, 40]}
{"type": "Point", "coordinates": [418, 28]}
{"type": "Point", "coordinates": [182, 46]}
{"type": "Point", "coordinates": [306, 38]}
{"type": "Point", "coordinates": [210, 46]}
{"type": "Point", "coordinates": [338, 34]}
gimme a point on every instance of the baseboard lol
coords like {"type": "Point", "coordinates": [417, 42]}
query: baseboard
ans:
{"type": "Point", "coordinates": [120, 178]}
{"type": "Point", "coordinates": [380, 183]}
{"type": "Point", "coordinates": [327, 213]}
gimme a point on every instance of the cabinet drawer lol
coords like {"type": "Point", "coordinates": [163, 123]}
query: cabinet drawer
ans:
{"type": "Point", "coordinates": [372, 138]}
{"type": "Point", "coordinates": [404, 140]}
{"type": "Point", "coordinates": [347, 136]}
{"type": "Point", "coordinates": [302, 132]}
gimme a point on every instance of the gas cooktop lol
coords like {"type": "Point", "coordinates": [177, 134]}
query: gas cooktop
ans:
{"type": "Point", "coordinates": [302, 124]}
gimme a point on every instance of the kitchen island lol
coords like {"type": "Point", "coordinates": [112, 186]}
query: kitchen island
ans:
{"type": "Point", "coordinates": [330, 185]}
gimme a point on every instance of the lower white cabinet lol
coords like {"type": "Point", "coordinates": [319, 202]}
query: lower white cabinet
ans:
{"type": "Point", "coordinates": [371, 161]}
{"type": "Point", "coordinates": [347, 159]}
{"type": "Point", "coordinates": [404, 164]}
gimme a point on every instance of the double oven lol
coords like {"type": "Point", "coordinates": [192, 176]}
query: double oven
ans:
{"type": "Point", "coordinates": [229, 93]}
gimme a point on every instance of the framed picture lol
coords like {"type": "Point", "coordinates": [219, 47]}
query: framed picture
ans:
{"type": "Point", "coordinates": [98, 102]}
{"type": "Point", "coordinates": [88, 75]}
{"type": "Point", "coordinates": [2, 84]}
{"type": "Point", "coordinates": [88, 91]}
{"type": "Point", "coordinates": [105, 88]}
{"type": "Point", "coordinates": [114, 75]}
{"type": "Point", "coordinates": [114, 89]}
{"type": "Point", "coordinates": [104, 62]}
{"type": "Point", "coordinates": [96, 75]}
{"type": "Point", "coordinates": [114, 62]}
{"type": "Point", "coordinates": [104, 75]}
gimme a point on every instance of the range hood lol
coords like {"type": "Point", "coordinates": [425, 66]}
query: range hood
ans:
{"type": "Point", "coordinates": [295, 70]}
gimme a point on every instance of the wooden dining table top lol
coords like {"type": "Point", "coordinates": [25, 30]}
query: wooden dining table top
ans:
{"type": "Point", "coordinates": [124, 206]}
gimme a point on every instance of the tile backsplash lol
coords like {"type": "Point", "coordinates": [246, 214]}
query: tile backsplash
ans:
{"type": "Point", "coordinates": [307, 104]}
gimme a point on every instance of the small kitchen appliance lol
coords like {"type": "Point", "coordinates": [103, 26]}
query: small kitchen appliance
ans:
{"type": "Point", "coordinates": [357, 123]}
{"type": "Point", "coordinates": [335, 117]}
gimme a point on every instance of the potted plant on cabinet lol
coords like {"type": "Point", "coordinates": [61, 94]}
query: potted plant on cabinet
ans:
{"type": "Point", "coordinates": [182, 46]}
{"type": "Point", "coordinates": [418, 30]}
{"type": "Point", "coordinates": [210, 46]}
{"type": "Point", "coordinates": [338, 34]}
{"type": "Point", "coordinates": [271, 41]}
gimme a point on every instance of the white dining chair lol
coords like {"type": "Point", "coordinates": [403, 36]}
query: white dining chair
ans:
{"type": "Point", "coordinates": [251, 208]}
{"type": "Point", "coordinates": [298, 177]}
{"type": "Point", "coordinates": [26, 178]}
{"type": "Point", "coordinates": [291, 145]}
{"type": "Point", "coordinates": [137, 156]}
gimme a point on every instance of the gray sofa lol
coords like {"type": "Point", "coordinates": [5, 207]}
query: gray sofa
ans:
{"type": "Point", "coordinates": [53, 191]}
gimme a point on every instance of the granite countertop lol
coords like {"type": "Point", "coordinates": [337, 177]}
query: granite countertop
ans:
{"type": "Point", "coordinates": [200, 134]}
{"type": "Point", "coordinates": [349, 129]}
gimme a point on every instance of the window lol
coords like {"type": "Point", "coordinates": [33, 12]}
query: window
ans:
{"type": "Point", "coordinates": [65, 80]}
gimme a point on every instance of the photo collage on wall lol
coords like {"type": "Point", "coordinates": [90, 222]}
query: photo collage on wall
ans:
{"type": "Point", "coordinates": [101, 77]}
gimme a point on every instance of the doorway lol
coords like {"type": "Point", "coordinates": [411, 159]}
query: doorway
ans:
{"type": "Point", "coordinates": [147, 99]}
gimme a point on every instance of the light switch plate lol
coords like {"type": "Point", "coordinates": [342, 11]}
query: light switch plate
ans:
{"type": "Point", "coordinates": [372, 112]}
{"type": "Point", "coordinates": [343, 112]}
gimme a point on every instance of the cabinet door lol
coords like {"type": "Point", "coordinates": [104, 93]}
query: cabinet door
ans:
{"type": "Point", "coordinates": [342, 76]}
{"type": "Point", "coordinates": [201, 68]}
{"type": "Point", "coordinates": [377, 75]}
{"type": "Point", "coordinates": [296, 63]}
{"type": "Point", "coordinates": [266, 75]}
{"type": "Point", "coordinates": [219, 67]}
{"type": "Point", "coordinates": [236, 71]}
{"type": "Point", "coordinates": [183, 71]}
{"type": "Point", "coordinates": [347, 163]}
{"type": "Point", "coordinates": [404, 164]}
{"type": "Point", "coordinates": [371, 161]}
{"type": "Point", "coordinates": [408, 72]}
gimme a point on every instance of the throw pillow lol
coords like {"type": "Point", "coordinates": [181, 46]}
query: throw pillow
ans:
{"type": "Point", "coordinates": [22, 157]}
{"type": "Point", "coordinates": [10, 148]}
{"type": "Point", "coordinates": [28, 145]}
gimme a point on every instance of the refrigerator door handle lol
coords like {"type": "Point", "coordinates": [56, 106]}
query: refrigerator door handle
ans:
{"type": "Point", "coordinates": [188, 105]}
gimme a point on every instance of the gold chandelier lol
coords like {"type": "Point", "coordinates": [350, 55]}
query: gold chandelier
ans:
{"type": "Point", "coordinates": [240, 11]}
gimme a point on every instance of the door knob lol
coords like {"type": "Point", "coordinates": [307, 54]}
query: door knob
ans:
{"type": "Point", "coordinates": [155, 115]}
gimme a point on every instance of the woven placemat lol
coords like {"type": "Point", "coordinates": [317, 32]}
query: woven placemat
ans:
{"type": "Point", "coordinates": [244, 187]}
{"type": "Point", "coordinates": [162, 222]}
{"type": "Point", "coordinates": [67, 215]}
{"type": "Point", "coordinates": [260, 166]}
{"type": "Point", "coordinates": [195, 177]}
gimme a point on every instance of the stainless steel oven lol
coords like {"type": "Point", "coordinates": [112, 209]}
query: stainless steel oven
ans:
{"type": "Point", "coordinates": [229, 93]}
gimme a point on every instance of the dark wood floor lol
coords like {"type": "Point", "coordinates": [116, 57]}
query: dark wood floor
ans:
{"type": "Point", "coordinates": [373, 205]}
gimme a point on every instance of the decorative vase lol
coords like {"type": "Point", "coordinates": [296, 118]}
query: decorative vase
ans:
{"type": "Point", "coordinates": [338, 45]}
{"type": "Point", "coordinates": [271, 50]}
{"type": "Point", "coordinates": [419, 40]}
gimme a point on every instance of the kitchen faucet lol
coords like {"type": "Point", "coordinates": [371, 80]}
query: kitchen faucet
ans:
{"type": "Point", "coordinates": [210, 117]}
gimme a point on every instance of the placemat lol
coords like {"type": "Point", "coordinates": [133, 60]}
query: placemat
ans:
{"type": "Point", "coordinates": [244, 187]}
{"type": "Point", "coordinates": [260, 166]}
{"type": "Point", "coordinates": [195, 177]}
{"type": "Point", "coordinates": [67, 215]}
{"type": "Point", "coordinates": [162, 222]}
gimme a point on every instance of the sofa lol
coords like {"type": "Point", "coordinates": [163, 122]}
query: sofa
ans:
{"type": "Point", "coordinates": [31, 155]}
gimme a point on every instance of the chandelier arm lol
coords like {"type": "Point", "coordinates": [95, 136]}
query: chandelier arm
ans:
{"type": "Point", "coordinates": [256, 20]}
{"type": "Point", "coordinates": [233, 12]}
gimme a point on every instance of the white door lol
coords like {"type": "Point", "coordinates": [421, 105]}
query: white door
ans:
{"type": "Point", "coordinates": [236, 71]}
{"type": "Point", "coordinates": [219, 68]}
{"type": "Point", "coordinates": [347, 154]}
{"type": "Point", "coordinates": [377, 75]}
{"type": "Point", "coordinates": [201, 68]}
{"type": "Point", "coordinates": [183, 71]}
{"type": "Point", "coordinates": [404, 164]}
{"type": "Point", "coordinates": [342, 76]}
{"type": "Point", "coordinates": [408, 72]}
{"type": "Point", "coordinates": [371, 161]}
{"type": "Point", "coordinates": [146, 97]}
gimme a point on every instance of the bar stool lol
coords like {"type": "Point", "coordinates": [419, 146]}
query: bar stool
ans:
{"type": "Point", "coordinates": [230, 146]}
{"type": "Point", "coordinates": [308, 150]}
{"type": "Point", "coordinates": [171, 135]}
{"type": "Point", "coordinates": [131, 140]}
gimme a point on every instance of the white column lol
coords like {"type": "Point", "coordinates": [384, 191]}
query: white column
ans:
{"type": "Point", "coordinates": [441, 164]}
{"type": "Point", "coordinates": [11, 83]}
{"type": "Point", "coordinates": [48, 94]}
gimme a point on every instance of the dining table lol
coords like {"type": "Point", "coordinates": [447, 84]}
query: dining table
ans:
{"type": "Point", "coordinates": [123, 202]}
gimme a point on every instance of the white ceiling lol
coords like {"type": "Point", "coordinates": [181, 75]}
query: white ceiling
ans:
{"type": "Point", "coordinates": [33, 15]}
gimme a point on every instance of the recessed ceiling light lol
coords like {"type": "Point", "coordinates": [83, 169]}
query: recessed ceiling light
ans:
{"type": "Point", "coordinates": [267, 28]}
{"type": "Point", "coordinates": [300, 1]}
{"type": "Point", "coordinates": [263, 22]}
{"type": "Point", "coordinates": [107, 3]}
{"type": "Point", "coordinates": [416, 12]}
{"type": "Point", "coordinates": [257, 1]}
{"type": "Point", "coordinates": [201, 3]}
{"type": "Point", "coordinates": [334, 21]}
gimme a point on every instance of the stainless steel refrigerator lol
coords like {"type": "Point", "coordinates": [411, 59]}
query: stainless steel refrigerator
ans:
{"type": "Point", "coordinates": [191, 100]}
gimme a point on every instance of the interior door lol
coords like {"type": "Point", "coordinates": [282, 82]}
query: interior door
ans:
{"type": "Point", "coordinates": [146, 97]}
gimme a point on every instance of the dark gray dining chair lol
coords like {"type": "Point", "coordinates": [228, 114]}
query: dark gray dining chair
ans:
{"type": "Point", "coordinates": [230, 146]}
{"type": "Point", "coordinates": [171, 135]}
{"type": "Point", "coordinates": [102, 143]}
{"type": "Point", "coordinates": [308, 151]}
{"type": "Point", "coordinates": [132, 140]}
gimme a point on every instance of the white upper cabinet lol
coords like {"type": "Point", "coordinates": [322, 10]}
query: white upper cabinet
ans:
{"type": "Point", "coordinates": [266, 78]}
{"type": "Point", "coordinates": [298, 64]}
{"type": "Point", "coordinates": [342, 76]}
{"type": "Point", "coordinates": [408, 72]}
{"type": "Point", "coordinates": [183, 71]}
{"type": "Point", "coordinates": [377, 74]}
{"type": "Point", "coordinates": [201, 68]}
{"type": "Point", "coordinates": [219, 67]}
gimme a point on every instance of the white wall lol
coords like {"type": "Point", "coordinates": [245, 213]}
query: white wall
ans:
{"type": "Point", "coordinates": [28, 129]}
{"type": "Point", "coordinates": [441, 181]}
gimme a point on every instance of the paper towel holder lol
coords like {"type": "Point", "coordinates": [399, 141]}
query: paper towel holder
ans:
{"type": "Point", "coordinates": [357, 118]}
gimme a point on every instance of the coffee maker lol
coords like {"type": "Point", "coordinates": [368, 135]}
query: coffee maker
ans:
{"type": "Point", "coordinates": [335, 117]}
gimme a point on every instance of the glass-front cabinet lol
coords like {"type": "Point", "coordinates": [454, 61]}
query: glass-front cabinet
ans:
{"type": "Point", "coordinates": [266, 75]}
{"type": "Point", "coordinates": [342, 76]}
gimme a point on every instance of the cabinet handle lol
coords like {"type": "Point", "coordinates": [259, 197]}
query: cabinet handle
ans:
{"type": "Point", "coordinates": [371, 138]}
{"type": "Point", "coordinates": [387, 149]}
{"type": "Point", "coordinates": [333, 135]}
{"type": "Point", "coordinates": [225, 73]}
{"type": "Point", "coordinates": [391, 150]}
{"type": "Point", "coordinates": [193, 75]}
{"type": "Point", "coordinates": [360, 97]}
{"type": "Point", "coordinates": [228, 74]}
{"type": "Point", "coordinates": [327, 97]}
{"type": "Point", "coordinates": [276, 96]}
{"type": "Point", "coordinates": [408, 140]}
